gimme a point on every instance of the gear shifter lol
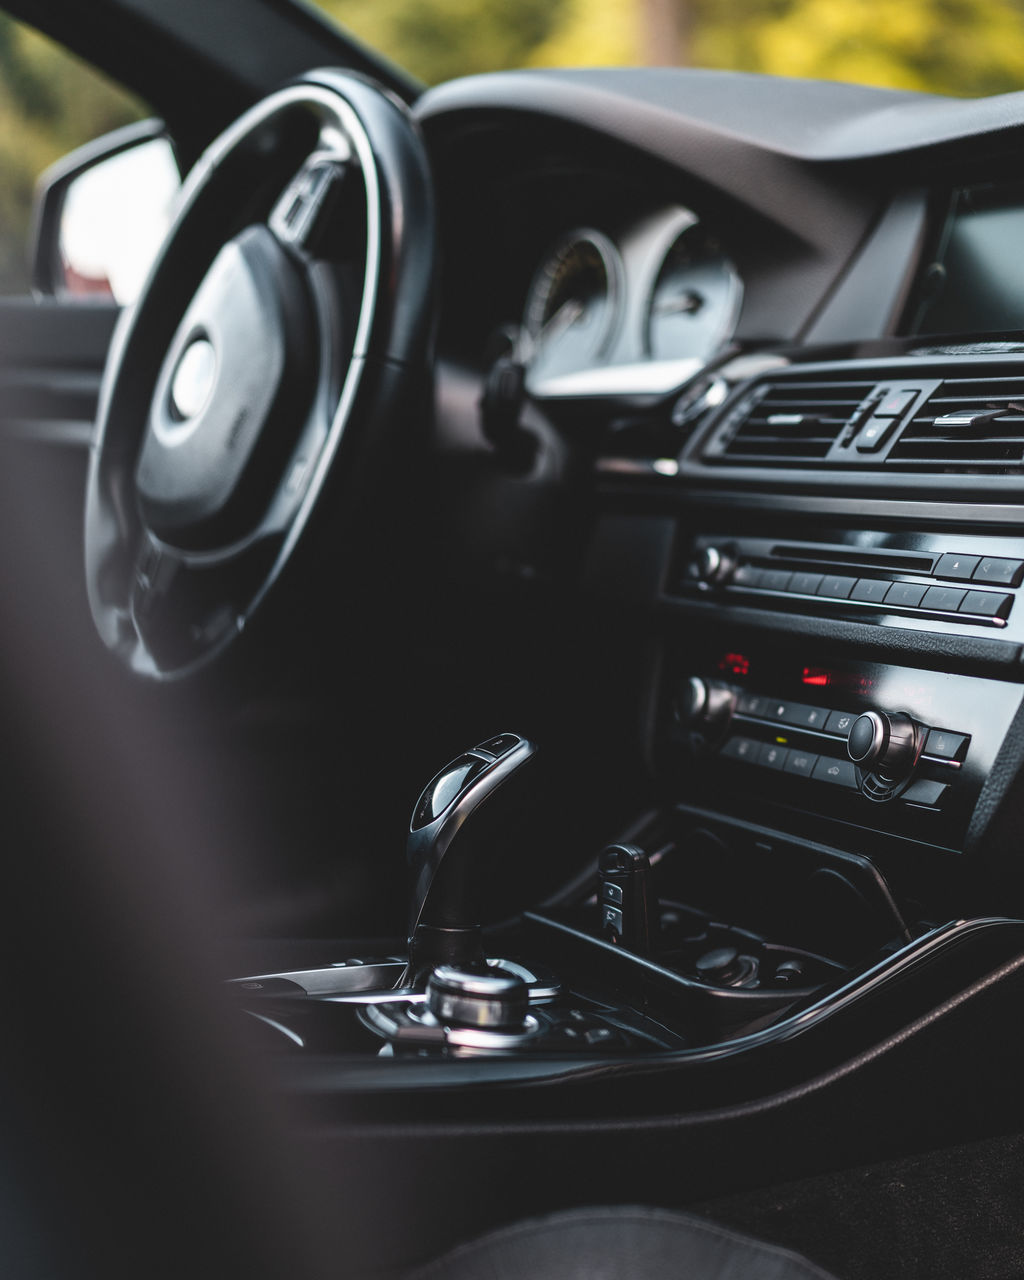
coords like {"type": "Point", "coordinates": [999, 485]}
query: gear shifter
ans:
{"type": "Point", "coordinates": [448, 836]}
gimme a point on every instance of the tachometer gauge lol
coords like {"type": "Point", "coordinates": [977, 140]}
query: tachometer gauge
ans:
{"type": "Point", "coordinates": [695, 299]}
{"type": "Point", "coordinates": [571, 307]}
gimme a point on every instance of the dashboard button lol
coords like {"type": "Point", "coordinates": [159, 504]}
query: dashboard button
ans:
{"type": "Point", "coordinates": [775, 579]}
{"type": "Point", "coordinates": [799, 715]}
{"type": "Point", "coordinates": [905, 595]}
{"type": "Point", "coordinates": [611, 919]}
{"type": "Point", "coordinates": [944, 599]}
{"type": "Point", "coordinates": [772, 756]}
{"type": "Point", "coordinates": [896, 403]}
{"type": "Point", "coordinates": [875, 434]}
{"type": "Point", "coordinates": [870, 589]}
{"type": "Point", "coordinates": [747, 576]}
{"type": "Point", "coordinates": [805, 584]}
{"type": "Point", "coordinates": [1003, 573]}
{"type": "Point", "coordinates": [741, 749]}
{"type": "Point", "coordinates": [955, 567]}
{"type": "Point", "coordinates": [840, 723]}
{"type": "Point", "coordinates": [791, 713]}
{"type": "Point", "coordinates": [924, 791]}
{"type": "Point", "coordinates": [809, 717]}
{"type": "Point", "coordinates": [987, 604]}
{"type": "Point", "coordinates": [801, 762]}
{"type": "Point", "coordinates": [839, 772]}
{"type": "Point", "coordinates": [754, 704]}
{"type": "Point", "coordinates": [943, 744]}
{"type": "Point", "coordinates": [836, 586]}
{"type": "Point", "coordinates": [501, 745]}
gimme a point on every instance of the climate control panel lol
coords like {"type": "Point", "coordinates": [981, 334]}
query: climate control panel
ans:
{"type": "Point", "coordinates": [881, 754]}
{"type": "Point", "coordinates": [898, 749]}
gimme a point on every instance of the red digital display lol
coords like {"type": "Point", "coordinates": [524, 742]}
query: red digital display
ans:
{"type": "Point", "coordinates": [824, 678]}
{"type": "Point", "coordinates": [736, 664]}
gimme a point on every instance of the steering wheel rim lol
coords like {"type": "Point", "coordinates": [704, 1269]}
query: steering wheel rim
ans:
{"type": "Point", "coordinates": [208, 465]}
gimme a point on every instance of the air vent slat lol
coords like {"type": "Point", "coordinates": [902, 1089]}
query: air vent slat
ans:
{"type": "Point", "coordinates": [958, 402]}
{"type": "Point", "coordinates": [948, 440]}
{"type": "Point", "coordinates": [789, 423]}
{"type": "Point", "coordinates": [988, 438]}
{"type": "Point", "coordinates": [782, 449]}
{"type": "Point", "coordinates": [970, 451]}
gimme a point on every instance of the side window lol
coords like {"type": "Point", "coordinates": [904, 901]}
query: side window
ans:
{"type": "Point", "coordinates": [50, 103]}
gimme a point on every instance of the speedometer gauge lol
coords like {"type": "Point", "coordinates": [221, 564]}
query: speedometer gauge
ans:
{"type": "Point", "coordinates": [572, 305]}
{"type": "Point", "coordinates": [695, 299]}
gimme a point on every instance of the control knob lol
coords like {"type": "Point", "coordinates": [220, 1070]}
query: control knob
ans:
{"type": "Point", "coordinates": [714, 566]}
{"type": "Point", "coordinates": [704, 706]}
{"type": "Point", "coordinates": [884, 743]}
{"type": "Point", "coordinates": [477, 997]}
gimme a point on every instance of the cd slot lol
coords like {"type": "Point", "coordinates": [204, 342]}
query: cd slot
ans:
{"type": "Point", "coordinates": [896, 561]}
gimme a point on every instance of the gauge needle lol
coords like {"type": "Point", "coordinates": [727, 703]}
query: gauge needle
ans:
{"type": "Point", "coordinates": [564, 318]}
{"type": "Point", "coordinates": [688, 304]}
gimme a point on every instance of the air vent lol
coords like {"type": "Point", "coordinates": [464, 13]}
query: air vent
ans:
{"type": "Point", "coordinates": [901, 418]}
{"type": "Point", "coordinates": [967, 426]}
{"type": "Point", "coordinates": [788, 423]}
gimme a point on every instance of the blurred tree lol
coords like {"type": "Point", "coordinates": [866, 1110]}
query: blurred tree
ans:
{"type": "Point", "coordinates": [588, 35]}
{"type": "Point", "coordinates": [664, 32]}
{"type": "Point", "coordinates": [941, 46]}
{"type": "Point", "coordinates": [439, 39]}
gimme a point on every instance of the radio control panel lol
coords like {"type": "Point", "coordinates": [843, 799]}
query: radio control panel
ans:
{"type": "Point", "coordinates": [962, 583]}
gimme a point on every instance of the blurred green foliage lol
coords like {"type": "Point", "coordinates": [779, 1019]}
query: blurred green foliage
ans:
{"type": "Point", "coordinates": [960, 47]}
{"type": "Point", "coordinates": [50, 103]}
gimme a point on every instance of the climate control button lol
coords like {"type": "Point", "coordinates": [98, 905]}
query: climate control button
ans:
{"type": "Point", "coordinates": [838, 772]}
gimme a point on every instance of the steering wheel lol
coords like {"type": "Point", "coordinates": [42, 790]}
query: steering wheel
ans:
{"type": "Point", "coordinates": [282, 328]}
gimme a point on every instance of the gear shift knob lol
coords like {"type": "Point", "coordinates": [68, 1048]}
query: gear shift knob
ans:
{"type": "Point", "coordinates": [457, 811]}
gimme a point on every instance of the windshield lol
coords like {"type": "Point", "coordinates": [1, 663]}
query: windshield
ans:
{"type": "Point", "coordinates": [961, 47]}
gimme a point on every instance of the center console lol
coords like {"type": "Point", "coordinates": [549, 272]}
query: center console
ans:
{"type": "Point", "coordinates": [827, 676]}
{"type": "Point", "coordinates": [723, 923]}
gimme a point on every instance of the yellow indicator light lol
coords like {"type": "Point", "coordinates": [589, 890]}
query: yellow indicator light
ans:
{"type": "Point", "coordinates": [782, 741]}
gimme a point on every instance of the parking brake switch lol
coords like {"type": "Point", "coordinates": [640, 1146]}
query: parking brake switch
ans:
{"type": "Point", "coordinates": [624, 897]}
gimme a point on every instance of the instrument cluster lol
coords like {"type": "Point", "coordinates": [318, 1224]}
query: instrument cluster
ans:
{"type": "Point", "coordinates": [637, 311]}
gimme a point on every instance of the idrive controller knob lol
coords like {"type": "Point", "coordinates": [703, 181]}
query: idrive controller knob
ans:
{"type": "Point", "coordinates": [479, 997]}
{"type": "Point", "coordinates": [884, 743]}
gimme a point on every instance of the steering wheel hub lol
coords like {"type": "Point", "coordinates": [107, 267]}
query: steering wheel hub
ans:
{"type": "Point", "coordinates": [231, 396]}
{"type": "Point", "coordinates": [191, 387]}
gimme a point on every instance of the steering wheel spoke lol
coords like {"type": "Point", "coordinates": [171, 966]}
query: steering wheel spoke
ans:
{"type": "Point", "coordinates": [299, 266]}
{"type": "Point", "coordinates": [314, 214]}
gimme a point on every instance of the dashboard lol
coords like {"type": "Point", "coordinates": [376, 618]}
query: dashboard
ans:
{"type": "Point", "coordinates": [784, 346]}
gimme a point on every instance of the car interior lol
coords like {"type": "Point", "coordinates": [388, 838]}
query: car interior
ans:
{"type": "Point", "coordinates": [513, 707]}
